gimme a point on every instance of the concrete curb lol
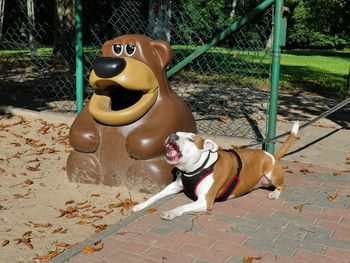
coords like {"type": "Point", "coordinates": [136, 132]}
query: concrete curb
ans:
{"type": "Point", "coordinates": [67, 118]}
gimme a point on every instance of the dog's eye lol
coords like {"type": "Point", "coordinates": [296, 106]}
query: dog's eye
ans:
{"type": "Point", "coordinates": [130, 49]}
{"type": "Point", "coordinates": [117, 49]}
{"type": "Point", "coordinates": [189, 139]}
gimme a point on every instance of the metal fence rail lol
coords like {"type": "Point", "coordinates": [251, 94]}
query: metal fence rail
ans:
{"type": "Point", "coordinates": [227, 86]}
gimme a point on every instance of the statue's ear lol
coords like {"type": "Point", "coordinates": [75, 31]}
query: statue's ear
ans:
{"type": "Point", "coordinates": [164, 51]}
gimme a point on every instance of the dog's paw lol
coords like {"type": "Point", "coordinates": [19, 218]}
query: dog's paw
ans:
{"type": "Point", "coordinates": [169, 215]}
{"type": "Point", "coordinates": [138, 207]}
{"type": "Point", "coordinates": [274, 195]}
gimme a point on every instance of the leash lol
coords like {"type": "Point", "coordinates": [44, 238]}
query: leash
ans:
{"type": "Point", "coordinates": [326, 113]}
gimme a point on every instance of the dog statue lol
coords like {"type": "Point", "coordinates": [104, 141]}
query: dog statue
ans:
{"type": "Point", "coordinates": [207, 174]}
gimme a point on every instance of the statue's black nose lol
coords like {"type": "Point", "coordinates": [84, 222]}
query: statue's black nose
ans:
{"type": "Point", "coordinates": [108, 67]}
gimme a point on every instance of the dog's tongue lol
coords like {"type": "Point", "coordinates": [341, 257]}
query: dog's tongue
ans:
{"type": "Point", "coordinates": [172, 152]}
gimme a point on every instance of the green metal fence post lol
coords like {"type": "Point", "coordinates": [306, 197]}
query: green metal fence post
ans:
{"type": "Point", "coordinates": [79, 54]}
{"type": "Point", "coordinates": [276, 57]}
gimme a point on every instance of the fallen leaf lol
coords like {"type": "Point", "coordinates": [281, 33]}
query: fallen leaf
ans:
{"type": "Point", "coordinates": [337, 174]}
{"type": "Point", "coordinates": [70, 202]}
{"type": "Point", "coordinates": [5, 242]}
{"type": "Point", "coordinates": [117, 196]}
{"type": "Point", "coordinates": [305, 170]}
{"type": "Point", "coordinates": [83, 222]}
{"type": "Point", "coordinates": [28, 233]}
{"type": "Point", "coordinates": [332, 197]}
{"type": "Point", "coordinates": [82, 203]}
{"type": "Point", "coordinates": [89, 249]}
{"type": "Point", "coordinates": [28, 182]}
{"type": "Point", "coordinates": [116, 205]}
{"type": "Point", "coordinates": [299, 207]}
{"type": "Point", "coordinates": [250, 259]}
{"type": "Point", "coordinates": [17, 196]}
{"type": "Point", "coordinates": [33, 169]}
{"type": "Point", "coordinates": [224, 118]}
{"type": "Point", "coordinates": [48, 225]}
{"type": "Point", "coordinates": [94, 195]}
{"type": "Point", "coordinates": [151, 210]}
{"type": "Point", "coordinates": [99, 211]}
{"type": "Point", "coordinates": [49, 256]}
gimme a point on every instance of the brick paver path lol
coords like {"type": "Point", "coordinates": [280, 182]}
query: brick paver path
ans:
{"type": "Point", "coordinates": [302, 226]}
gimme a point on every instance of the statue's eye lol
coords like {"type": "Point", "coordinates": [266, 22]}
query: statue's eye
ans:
{"type": "Point", "coordinates": [117, 49]}
{"type": "Point", "coordinates": [130, 49]}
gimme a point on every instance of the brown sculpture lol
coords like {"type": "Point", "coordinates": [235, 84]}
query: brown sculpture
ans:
{"type": "Point", "coordinates": [118, 137]}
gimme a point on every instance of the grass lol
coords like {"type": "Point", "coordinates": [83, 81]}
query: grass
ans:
{"type": "Point", "coordinates": [321, 72]}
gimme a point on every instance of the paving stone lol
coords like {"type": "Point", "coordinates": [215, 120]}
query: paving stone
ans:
{"type": "Point", "coordinates": [322, 177]}
{"type": "Point", "coordinates": [294, 194]}
{"type": "Point", "coordinates": [202, 261]}
{"type": "Point", "coordinates": [181, 225]}
{"type": "Point", "coordinates": [331, 242]}
{"type": "Point", "coordinates": [300, 244]}
{"type": "Point", "coordinates": [272, 247]}
{"type": "Point", "coordinates": [282, 231]}
{"type": "Point", "coordinates": [234, 260]}
{"type": "Point", "coordinates": [267, 220]}
{"type": "Point", "coordinates": [253, 232]}
{"type": "Point", "coordinates": [341, 202]}
{"type": "Point", "coordinates": [236, 220]}
{"type": "Point", "coordinates": [294, 218]}
{"type": "Point", "coordinates": [160, 230]}
{"type": "Point", "coordinates": [304, 229]}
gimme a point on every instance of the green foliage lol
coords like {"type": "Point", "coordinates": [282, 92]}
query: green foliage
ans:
{"type": "Point", "coordinates": [318, 24]}
{"type": "Point", "coordinates": [204, 16]}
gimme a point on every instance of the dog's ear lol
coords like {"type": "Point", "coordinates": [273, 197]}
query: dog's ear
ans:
{"type": "Point", "coordinates": [210, 145]}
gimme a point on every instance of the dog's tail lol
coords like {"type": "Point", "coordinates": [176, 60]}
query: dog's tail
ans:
{"type": "Point", "coordinates": [293, 133]}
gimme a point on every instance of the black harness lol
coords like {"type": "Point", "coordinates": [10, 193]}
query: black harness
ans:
{"type": "Point", "coordinates": [190, 183]}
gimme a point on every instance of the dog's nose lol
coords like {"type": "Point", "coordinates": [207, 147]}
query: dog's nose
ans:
{"type": "Point", "coordinates": [108, 67]}
{"type": "Point", "coordinates": [173, 138]}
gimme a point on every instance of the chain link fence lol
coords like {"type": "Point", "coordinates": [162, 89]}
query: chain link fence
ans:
{"type": "Point", "coordinates": [227, 87]}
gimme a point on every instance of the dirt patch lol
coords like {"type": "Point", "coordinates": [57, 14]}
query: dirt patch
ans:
{"type": "Point", "coordinates": [41, 212]}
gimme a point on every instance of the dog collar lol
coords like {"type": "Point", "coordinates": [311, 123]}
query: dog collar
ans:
{"type": "Point", "coordinates": [201, 167]}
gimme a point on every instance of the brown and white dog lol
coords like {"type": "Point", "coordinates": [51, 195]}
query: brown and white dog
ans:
{"type": "Point", "coordinates": [208, 174]}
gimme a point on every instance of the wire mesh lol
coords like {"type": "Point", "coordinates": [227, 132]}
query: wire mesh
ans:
{"type": "Point", "coordinates": [227, 88]}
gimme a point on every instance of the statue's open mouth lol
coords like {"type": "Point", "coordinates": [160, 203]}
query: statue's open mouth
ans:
{"type": "Point", "coordinates": [125, 98]}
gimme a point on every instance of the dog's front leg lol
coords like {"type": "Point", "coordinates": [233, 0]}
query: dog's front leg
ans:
{"type": "Point", "coordinates": [199, 205]}
{"type": "Point", "coordinates": [173, 188]}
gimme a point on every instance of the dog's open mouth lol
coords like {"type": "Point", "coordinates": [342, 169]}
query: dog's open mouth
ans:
{"type": "Point", "coordinates": [173, 153]}
{"type": "Point", "coordinates": [125, 98]}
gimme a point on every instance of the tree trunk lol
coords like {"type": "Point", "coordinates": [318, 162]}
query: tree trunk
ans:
{"type": "Point", "coordinates": [2, 8]}
{"type": "Point", "coordinates": [64, 49]}
{"type": "Point", "coordinates": [31, 27]}
{"type": "Point", "coordinates": [233, 10]}
{"type": "Point", "coordinates": [159, 19]}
